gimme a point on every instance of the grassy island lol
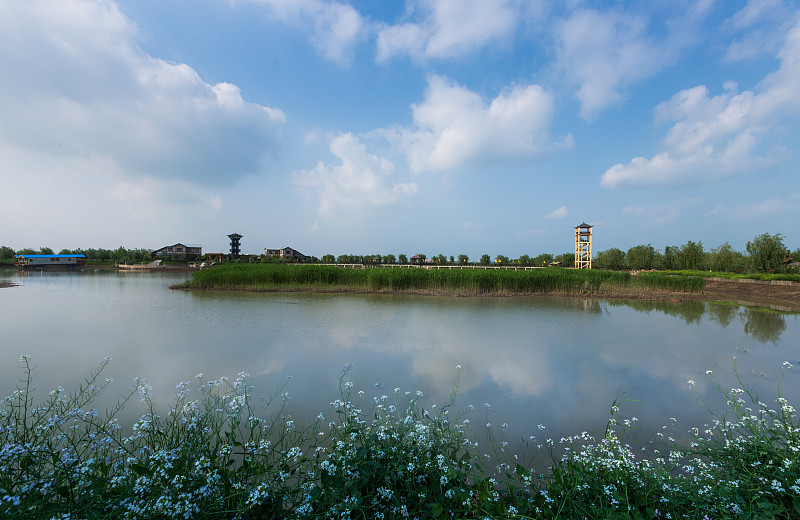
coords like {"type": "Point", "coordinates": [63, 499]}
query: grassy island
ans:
{"type": "Point", "coordinates": [447, 281]}
{"type": "Point", "coordinates": [216, 455]}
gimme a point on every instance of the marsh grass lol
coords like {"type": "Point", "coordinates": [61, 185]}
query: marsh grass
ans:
{"type": "Point", "coordinates": [437, 281]}
{"type": "Point", "coordinates": [381, 456]}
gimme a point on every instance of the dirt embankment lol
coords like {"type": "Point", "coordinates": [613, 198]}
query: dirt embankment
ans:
{"type": "Point", "coordinates": [784, 296]}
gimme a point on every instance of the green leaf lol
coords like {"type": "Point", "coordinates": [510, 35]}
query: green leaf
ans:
{"type": "Point", "coordinates": [436, 510]}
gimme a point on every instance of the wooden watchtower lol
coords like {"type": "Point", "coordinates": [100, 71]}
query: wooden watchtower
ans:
{"type": "Point", "coordinates": [583, 246]}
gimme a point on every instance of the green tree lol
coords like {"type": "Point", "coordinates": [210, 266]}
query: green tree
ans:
{"type": "Point", "coordinates": [669, 260]}
{"type": "Point", "coordinates": [389, 259]}
{"type": "Point", "coordinates": [640, 257]}
{"type": "Point", "coordinates": [724, 258]}
{"type": "Point", "coordinates": [46, 251]}
{"type": "Point", "coordinates": [463, 259]}
{"type": "Point", "coordinates": [403, 259]}
{"type": "Point", "coordinates": [439, 259]}
{"type": "Point", "coordinates": [691, 255]}
{"type": "Point", "coordinates": [543, 259]}
{"type": "Point", "coordinates": [6, 253]}
{"type": "Point", "coordinates": [524, 260]}
{"type": "Point", "coordinates": [610, 259]}
{"type": "Point", "coordinates": [328, 259]}
{"type": "Point", "coordinates": [485, 259]}
{"type": "Point", "coordinates": [27, 251]}
{"type": "Point", "coordinates": [502, 260]}
{"type": "Point", "coordinates": [452, 260]}
{"type": "Point", "coordinates": [766, 252]}
{"type": "Point", "coordinates": [566, 259]}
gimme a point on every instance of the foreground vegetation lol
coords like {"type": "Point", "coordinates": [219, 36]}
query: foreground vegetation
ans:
{"type": "Point", "coordinates": [215, 455]}
{"type": "Point", "coordinates": [268, 276]}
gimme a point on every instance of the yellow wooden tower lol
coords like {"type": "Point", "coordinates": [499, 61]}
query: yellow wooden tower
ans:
{"type": "Point", "coordinates": [583, 246]}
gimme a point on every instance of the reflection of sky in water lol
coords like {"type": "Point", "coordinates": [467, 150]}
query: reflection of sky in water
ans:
{"type": "Point", "coordinates": [559, 362]}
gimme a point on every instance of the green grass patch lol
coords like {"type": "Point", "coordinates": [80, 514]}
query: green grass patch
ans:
{"type": "Point", "coordinates": [215, 455]}
{"type": "Point", "coordinates": [737, 276]}
{"type": "Point", "coordinates": [438, 281]}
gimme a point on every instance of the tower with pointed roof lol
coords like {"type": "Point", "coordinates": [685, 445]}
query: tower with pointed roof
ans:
{"type": "Point", "coordinates": [583, 246]}
{"type": "Point", "coordinates": [235, 246]}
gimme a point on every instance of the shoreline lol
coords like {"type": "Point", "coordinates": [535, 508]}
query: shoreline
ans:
{"type": "Point", "coordinates": [783, 297]}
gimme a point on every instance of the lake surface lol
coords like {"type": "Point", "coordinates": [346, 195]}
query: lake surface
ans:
{"type": "Point", "coordinates": [559, 362]}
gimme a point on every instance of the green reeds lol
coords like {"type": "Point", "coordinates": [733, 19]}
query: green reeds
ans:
{"type": "Point", "coordinates": [438, 281]}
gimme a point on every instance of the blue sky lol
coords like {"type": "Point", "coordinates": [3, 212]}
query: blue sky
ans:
{"type": "Point", "coordinates": [423, 126]}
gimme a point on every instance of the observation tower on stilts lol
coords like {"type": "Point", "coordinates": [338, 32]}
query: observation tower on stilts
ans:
{"type": "Point", "coordinates": [583, 246]}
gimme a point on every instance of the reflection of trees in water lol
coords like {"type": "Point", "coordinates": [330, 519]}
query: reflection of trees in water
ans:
{"type": "Point", "coordinates": [690, 311]}
{"type": "Point", "coordinates": [722, 314]}
{"type": "Point", "coordinates": [763, 326]}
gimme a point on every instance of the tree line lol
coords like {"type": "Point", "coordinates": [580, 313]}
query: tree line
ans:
{"type": "Point", "coordinates": [765, 253]}
{"type": "Point", "coordinates": [121, 254]}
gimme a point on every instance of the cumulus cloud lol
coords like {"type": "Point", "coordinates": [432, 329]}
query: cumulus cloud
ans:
{"type": "Point", "coordinates": [454, 125]}
{"type": "Point", "coordinates": [76, 85]}
{"type": "Point", "coordinates": [558, 214]}
{"type": "Point", "coordinates": [604, 53]}
{"type": "Point", "coordinates": [335, 27]}
{"type": "Point", "coordinates": [723, 135]}
{"type": "Point", "coordinates": [448, 28]}
{"type": "Point", "coordinates": [361, 182]}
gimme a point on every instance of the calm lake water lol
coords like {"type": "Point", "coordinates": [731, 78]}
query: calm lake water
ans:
{"type": "Point", "coordinates": [554, 361]}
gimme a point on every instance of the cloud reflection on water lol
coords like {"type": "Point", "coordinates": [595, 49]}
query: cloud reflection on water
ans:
{"type": "Point", "coordinates": [556, 361]}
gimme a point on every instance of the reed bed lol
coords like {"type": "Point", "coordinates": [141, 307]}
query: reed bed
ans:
{"type": "Point", "coordinates": [214, 455]}
{"type": "Point", "coordinates": [437, 281]}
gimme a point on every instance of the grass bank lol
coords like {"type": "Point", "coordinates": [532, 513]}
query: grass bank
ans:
{"type": "Point", "coordinates": [767, 277]}
{"type": "Point", "coordinates": [215, 455]}
{"type": "Point", "coordinates": [462, 282]}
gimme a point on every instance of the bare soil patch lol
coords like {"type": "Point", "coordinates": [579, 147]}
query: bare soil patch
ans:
{"type": "Point", "coordinates": [761, 294]}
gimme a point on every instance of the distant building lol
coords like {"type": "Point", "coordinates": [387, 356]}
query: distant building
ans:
{"type": "Point", "coordinates": [179, 252]}
{"type": "Point", "coordinates": [287, 252]}
{"type": "Point", "coordinates": [48, 261]}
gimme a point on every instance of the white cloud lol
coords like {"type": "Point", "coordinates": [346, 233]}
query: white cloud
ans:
{"type": "Point", "coordinates": [632, 211]}
{"type": "Point", "coordinates": [454, 125]}
{"type": "Point", "coordinates": [448, 28]}
{"type": "Point", "coordinates": [603, 53]}
{"type": "Point", "coordinates": [768, 208]}
{"type": "Point", "coordinates": [335, 27]}
{"type": "Point", "coordinates": [723, 135]}
{"type": "Point", "coordinates": [757, 22]}
{"type": "Point", "coordinates": [75, 85]}
{"type": "Point", "coordinates": [361, 182]}
{"type": "Point", "coordinates": [558, 214]}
